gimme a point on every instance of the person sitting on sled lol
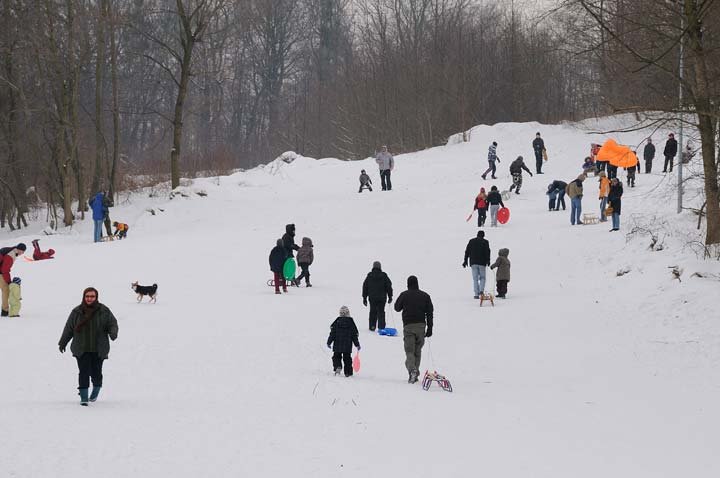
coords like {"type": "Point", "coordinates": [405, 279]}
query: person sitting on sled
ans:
{"type": "Point", "coordinates": [121, 229]}
{"type": "Point", "coordinates": [39, 255]}
{"type": "Point", "coordinates": [365, 181]}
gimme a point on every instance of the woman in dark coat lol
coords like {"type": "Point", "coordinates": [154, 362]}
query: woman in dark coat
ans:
{"type": "Point", "coordinates": [615, 201]}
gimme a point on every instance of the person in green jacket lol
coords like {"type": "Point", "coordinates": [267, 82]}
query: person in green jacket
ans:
{"type": "Point", "coordinates": [89, 326]}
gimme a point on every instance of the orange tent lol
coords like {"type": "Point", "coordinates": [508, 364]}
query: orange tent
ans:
{"type": "Point", "coordinates": [617, 154]}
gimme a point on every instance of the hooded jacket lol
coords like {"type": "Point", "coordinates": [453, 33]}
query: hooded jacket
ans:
{"type": "Point", "coordinates": [557, 186]}
{"type": "Point", "coordinates": [494, 198]}
{"type": "Point", "coordinates": [416, 305]}
{"type": "Point", "coordinates": [343, 334]}
{"type": "Point", "coordinates": [288, 240]}
{"type": "Point", "coordinates": [503, 265]}
{"type": "Point", "coordinates": [614, 198]}
{"type": "Point", "coordinates": [95, 336]}
{"type": "Point", "coordinates": [305, 253]}
{"type": "Point", "coordinates": [518, 165]}
{"type": "Point", "coordinates": [96, 203]}
{"type": "Point", "coordinates": [365, 179]}
{"type": "Point", "coordinates": [377, 286]}
{"type": "Point", "coordinates": [278, 254]}
{"type": "Point", "coordinates": [481, 200]}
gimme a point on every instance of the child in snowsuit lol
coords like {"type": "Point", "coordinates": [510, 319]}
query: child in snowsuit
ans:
{"type": "Point", "coordinates": [278, 255]}
{"type": "Point", "coordinates": [305, 257]}
{"type": "Point", "coordinates": [39, 255]}
{"type": "Point", "coordinates": [365, 181]}
{"type": "Point", "coordinates": [481, 206]}
{"type": "Point", "coordinates": [121, 229]}
{"type": "Point", "coordinates": [343, 334]}
{"type": "Point", "coordinates": [502, 276]}
{"type": "Point", "coordinates": [15, 297]}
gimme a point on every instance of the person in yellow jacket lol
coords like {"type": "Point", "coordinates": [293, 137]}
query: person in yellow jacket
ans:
{"type": "Point", "coordinates": [15, 297]}
{"type": "Point", "coordinates": [121, 229]}
{"type": "Point", "coordinates": [604, 191]}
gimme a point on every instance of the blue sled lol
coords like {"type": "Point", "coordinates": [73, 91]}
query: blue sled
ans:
{"type": "Point", "coordinates": [389, 331]}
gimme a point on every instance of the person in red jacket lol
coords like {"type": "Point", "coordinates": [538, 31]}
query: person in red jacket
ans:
{"type": "Point", "coordinates": [481, 205]}
{"type": "Point", "coordinates": [39, 255]}
{"type": "Point", "coordinates": [7, 259]}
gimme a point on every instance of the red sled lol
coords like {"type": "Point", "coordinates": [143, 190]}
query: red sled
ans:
{"type": "Point", "coordinates": [503, 215]}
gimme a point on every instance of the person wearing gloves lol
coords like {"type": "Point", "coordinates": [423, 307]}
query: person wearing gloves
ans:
{"type": "Point", "coordinates": [477, 252]}
{"type": "Point", "coordinates": [343, 334]}
{"type": "Point", "coordinates": [417, 316]}
{"type": "Point", "coordinates": [516, 169]}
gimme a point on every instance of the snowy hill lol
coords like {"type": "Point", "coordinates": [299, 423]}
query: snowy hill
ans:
{"type": "Point", "coordinates": [579, 373]}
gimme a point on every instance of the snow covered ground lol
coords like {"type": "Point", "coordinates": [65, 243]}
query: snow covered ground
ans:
{"type": "Point", "coordinates": [579, 373]}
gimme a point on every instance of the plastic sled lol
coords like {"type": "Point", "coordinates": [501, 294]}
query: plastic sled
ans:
{"type": "Point", "coordinates": [433, 376]}
{"type": "Point", "coordinates": [289, 269]}
{"type": "Point", "coordinates": [389, 331]}
{"type": "Point", "coordinates": [503, 215]}
{"type": "Point", "coordinates": [356, 362]}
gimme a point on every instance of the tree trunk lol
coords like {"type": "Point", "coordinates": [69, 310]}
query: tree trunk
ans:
{"type": "Point", "coordinates": [99, 71]}
{"type": "Point", "coordinates": [188, 44]}
{"type": "Point", "coordinates": [115, 109]}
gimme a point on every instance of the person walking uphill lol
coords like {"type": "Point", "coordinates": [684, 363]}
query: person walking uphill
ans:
{"type": "Point", "coordinates": [277, 258]}
{"type": "Point", "coordinates": [343, 334]}
{"type": "Point", "coordinates": [305, 258]}
{"type": "Point", "coordinates": [480, 204]}
{"type": "Point", "coordinates": [516, 170]}
{"type": "Point", "coordinates": [7, 259]}
{"type": "Point", "coordinates": [417, 313]}
{"type": "Point", "coordinates": [492, 158]}
{"type": "Point", "coordinates": [477, 252]}
{"type": "Point", "coordinates": [386, 162]}
{"type": "Point", "coordinates": [98, 214]}
{"type": "Point", "coordinates": [502, 263]}
{"type": "Point", "coordinates": [494, 200]}
{"type": "Point", "coordinates": [615, 202]}
{"type": "Point", "coordinates": [539, 148]}
{"type": "Point", "coordinates": [574, 191]}
{"type": "Point", "coordinates": [89, 326]}
{"type": "Point", "coordinates": [670, 151]}
{"type": "Point", "coordinates": [649, 155]}
{"type": "Point", "coordinates": [377, 287]}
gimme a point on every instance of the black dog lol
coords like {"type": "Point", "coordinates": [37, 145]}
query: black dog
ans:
{"type": "Point", "coordinates": [143, 290]}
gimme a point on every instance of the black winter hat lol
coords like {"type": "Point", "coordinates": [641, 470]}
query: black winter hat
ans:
{"type": "Point", "coordinates": [412, 283]}
{"type": "Point", "coordinates": [494, 143]}
{"type": "Point", "coordinates": [21, 246]}
{"type": "Point", "coordinates": [377, 265]}
{"type": "Point", "coordinates": [481, 234]}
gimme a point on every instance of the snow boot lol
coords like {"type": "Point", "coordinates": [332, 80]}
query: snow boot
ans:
{"type": "Point", "coordinates": [338, 371]}
{"type": "Point", "coordinates": [278, 292]}
{"type": "Point", "coordinates": [4, 313]}
{"type": "Point", "coordinates": [413, 376]}
{"type": "Point", "coordinates": [83, 396]}
{"type": "Point", "coordinates": [95, 393]}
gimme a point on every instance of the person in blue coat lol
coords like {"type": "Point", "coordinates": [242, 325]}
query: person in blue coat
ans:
{"type": "Point", "coordinates": [98, 210]}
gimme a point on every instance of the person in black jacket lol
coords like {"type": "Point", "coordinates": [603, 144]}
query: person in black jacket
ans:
{"type": "Point", "coordinates": [670, 151]}
{"type": "Point", "coordinates": [649, 155]}
{"type": "Point", "coordinates": [417, 312]}
{"type": "Point", "coordinates": [278, 255]}
{"type": "Point", "coordinates": [378, 288]}
{"type": "Point", "coordinates": [343, 334]}
{"type": "Point", "coordinates": [288, 240]}
{"type": "Point", "coordinates": [556, 194]}
{"type": "Point", "coordinates": [516, 169]}
{"type": "Point", "coordinates": [478, 252]}
{"type": "Point", "coordinates": [494, 200]}
{"type": "Point", "coordinates": [538, 147]}
{"type": "Point", "coordinates": [615, 201]}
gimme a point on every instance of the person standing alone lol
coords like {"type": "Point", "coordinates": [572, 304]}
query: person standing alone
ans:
{"type": "Point", "coordinates": [670, 151]}
{"type": "Point", "coordinates": [477, 252]}
{"type": "Point", "coordinates": [417, 313]}
{"type": "Point", "coordinates": [386, 162]}
{"type": "Point", "coordinates": [492, 158]}
{"type": "Point", "coordinates": [539, 149]}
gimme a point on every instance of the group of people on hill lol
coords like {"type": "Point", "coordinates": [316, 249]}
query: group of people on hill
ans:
{"type": "Point", "coordinates": [610, 196]}
{"type": "Point", "coordinates": [284, 249]}
{"type": "Point", "coordinates": [100, 205]}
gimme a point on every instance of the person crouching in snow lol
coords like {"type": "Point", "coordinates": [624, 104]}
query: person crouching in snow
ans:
{"type": "Point", "coordinates": [15, 297]}
{"type": "Point", "coordinates": [121, 229]}
{"type": "Point", "coordinates": [481, 205]}
{"type": "Point", "coordinates": [343, 334]}
{"type": "Point", "coordinates": [278, 255]}
{"type": "Point", "coordinates": [39, 255]}
{"type": "Point", "coordinates": [305, 257]}
{"type": "Point", "coordinates": [365, 181]}
{"type": "Point", "coordinates": [502, 276]}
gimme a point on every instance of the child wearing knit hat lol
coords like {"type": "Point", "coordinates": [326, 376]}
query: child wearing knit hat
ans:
{"type": "Point", "coordinates": [343, 334]}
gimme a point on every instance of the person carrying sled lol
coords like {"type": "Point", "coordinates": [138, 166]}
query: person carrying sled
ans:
{"type": "Point", "coordinates": [386, 163]}
{"type": "Point", "coordinates": [603, 194]}
{"type": "Point", "coordinates": [670, 151]}
{"type": "Point", "coordinates": [39, 255]}
{"type": "Point", "coordinates": [556, 195]}
{"type": "Point", "coordinates": [121, 229]}
{"type": "Point", "coordinates": [649, 155]}
{"type": "Point", "coordinates": [365, 181]}
{"type": "Point", "coordinates": [7, 259]}
{"type": "Point", "coordinates": [477, 252]}
{"type": "Point", "coordinates": [495, 202]}
{"type": "Point", "coordinates": [305, 258]}
{"type": "Point", "coordinates": [516, 169]}
{"type": "Point", "coordinates": [492, 158]}
{"type": "Point", "coordinates": [15, 299]}
{"type": "Point", "coordinates": [90, 326]}
{"type": "Point", "coordinates": [277, 258]}
{"type": "Point", "coordinates": [377, 288]}
{"type": "Point", "coordinates": [574, 191]}
{"type": "Point", "coordinates": [539, 149]}
{"type": "Point", "coordinates": [417, 314]}
{"type": "Point", "coordinates": [481, 205]}
{"type": "Point", "coordinates": [502, 276]}
{"type": "Point", "coordinates": [615, 202]}
{"type": "Point", "coordinates": [343, 334]}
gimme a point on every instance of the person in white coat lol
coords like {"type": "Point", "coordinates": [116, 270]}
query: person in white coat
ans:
{"type": "Point", "coordinates": [386, 162]}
